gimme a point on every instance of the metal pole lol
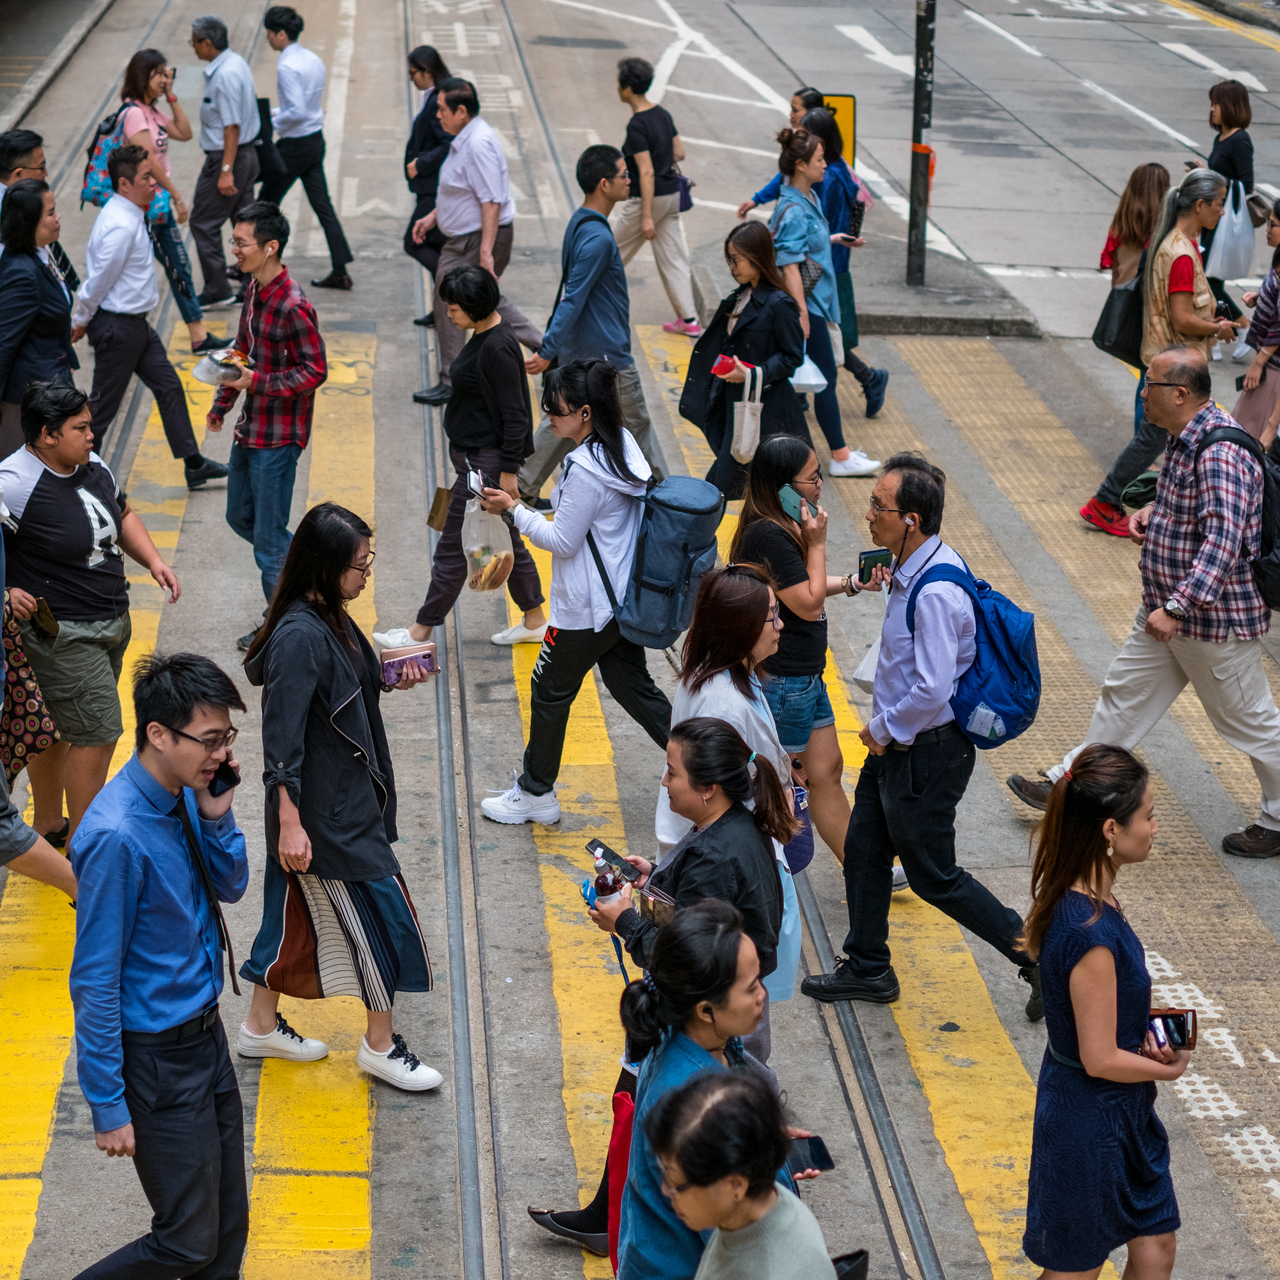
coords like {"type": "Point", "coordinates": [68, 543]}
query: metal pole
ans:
{"type": "Point", "coordinates": [921, 122]}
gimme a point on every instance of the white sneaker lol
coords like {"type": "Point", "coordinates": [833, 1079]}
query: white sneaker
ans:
{"type": "Point", "coordinates": [516, 806]}
{"type": "Point", "coordinates": [856, 464]}
{"type": "Point", "coordinates": [283, 1042]}
{"type": "Point", "coordinates": [398, 1066]}
{"type": "Point", "coordinates": [1243, 353]}
{"type": "Point", "coordinates": [519, 634]}
{"type": "Point", "coordinates": [900, 879]}
{"type": "Point", "coordinates": [396, 638]}
{"type": "Point", "coordinates": [1216, 353]}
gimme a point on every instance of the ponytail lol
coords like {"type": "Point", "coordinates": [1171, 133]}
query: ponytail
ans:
{"type": "Point", "coordinates": [592, 384]}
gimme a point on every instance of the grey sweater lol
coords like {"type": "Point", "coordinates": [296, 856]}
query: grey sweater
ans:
{"type": "Point", "coordinates": [786, 1244]}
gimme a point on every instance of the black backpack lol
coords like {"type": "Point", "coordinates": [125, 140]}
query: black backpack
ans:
{"type": "Point", "coordinates": [1266, 566]}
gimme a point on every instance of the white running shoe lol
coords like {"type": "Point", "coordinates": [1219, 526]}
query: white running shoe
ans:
{"type": "Point", "coordinates": [283, 1042]}
{"type": "Point", "coordinates": [517, 806]}
{"type": "Point", "coordinates": [856, 464]}
{"type": "Point", "coordinates": [900, 879]}
{"type": "Point", "coordinates": [1216, 352]}
{"type": "Point", "coordinates": [519, 634]}
{"type": "Point", "coordinates": [396, 638]}
{"type": "Point", "coordinates": [1243, 353]}
{"type": "Point", "coordinates": [398, 1066]}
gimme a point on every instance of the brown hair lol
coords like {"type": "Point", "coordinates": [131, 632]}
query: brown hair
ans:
{"type": "Point", "coordinates": [730, 612]}
{"type": "Point", "coordinates": [137, 75]}
{"type": "Point", "coordinates": [1232, 99]}
{"type": "Point", "coordinates": [754, 241]}
{"type": "Point", "coordinates": [778, 460]}
{"type": "Point", "coordinates": [798, 146]}
{"type": "Point", "coordinates": [1103, 782]}
{"type": "Point", "coordinates": [1139, 206]}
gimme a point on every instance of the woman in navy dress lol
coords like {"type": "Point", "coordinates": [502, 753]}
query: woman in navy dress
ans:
{"type": "Point", "coordinates": [1099, 1155]}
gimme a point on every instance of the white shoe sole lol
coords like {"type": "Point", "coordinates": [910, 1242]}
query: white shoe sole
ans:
{"type": "Point", "coordinates": [259, 1051]}
{"type": "Point", "coordinates": [419, 1081]}
{"type": "Point", "coordinates": [516, 820]}
{"type": "Point", "coordinates": [524, 637]}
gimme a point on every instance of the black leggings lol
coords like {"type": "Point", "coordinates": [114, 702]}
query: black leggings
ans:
{"type": "Point", "coordinates": [595, 1217]}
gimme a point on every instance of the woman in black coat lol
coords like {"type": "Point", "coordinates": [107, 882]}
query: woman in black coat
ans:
{"type": "Point", "coordinates": [424, 153]}
{"type": "Point", "coordinates": [758, 324]}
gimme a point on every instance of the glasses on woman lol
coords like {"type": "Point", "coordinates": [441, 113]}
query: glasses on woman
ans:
{"type": "Point", "coordinates": [813, 480]}
{"type": "Point", "coordinates": [367, 567]}
{"type": "Point", "coordinates": [775, 615]}
{"type": "Point", "coordinates": [211, 742]}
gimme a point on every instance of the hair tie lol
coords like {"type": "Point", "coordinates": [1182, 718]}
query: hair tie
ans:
{"type": "Point", "coordinates": [751, 758]}
{"type": "Point", "coordinates": [1067, 775]}
{"type": "Point", "coordinates": [649, 984]}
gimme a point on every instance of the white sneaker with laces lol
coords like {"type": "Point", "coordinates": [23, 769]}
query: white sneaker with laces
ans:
{"type": "Point", "coordinates": [398, 1066]}
{"type": "Point", "coordinates": [900, 879]}
{"type": "Point", "coordinates": [1243, 353]}
{"type": "Point", "coordinates": [396, 638]}
{"type": "Point", "coordinates": [517, 806]}
{"type": "Point", "coordinates": [519, 634]}
{"type": "Point", "coordinates": [856, 464]}
{"type": "Point", "coordinates": [1216, 352]}
{"type": "Point", "coordinates": [283, 1042]}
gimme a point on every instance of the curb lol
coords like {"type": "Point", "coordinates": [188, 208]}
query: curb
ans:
{"type": "Point", "coordinates": [1241, 14]}
{"type": "Point", "coordinates": [33, 90]}
{"type": "Point", "coordinates": [956, 326]}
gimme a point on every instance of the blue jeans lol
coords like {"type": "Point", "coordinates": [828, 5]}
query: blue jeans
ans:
{"type": "Point", "coordinates": [800, 705]}
{"type": "Point", "coordinates": [826, 405]}
{"type": "Point", "coordinates": [259, 495]}
{"type": "Point", "coordinates": [171, 254]}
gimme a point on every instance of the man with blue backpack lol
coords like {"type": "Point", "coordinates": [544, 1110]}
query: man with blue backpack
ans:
{"type": "Point", "coordinates": [957, 669]}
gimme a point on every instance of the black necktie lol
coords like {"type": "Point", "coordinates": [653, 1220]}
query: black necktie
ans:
{"type": "Point", "coordinates": [193, 847]}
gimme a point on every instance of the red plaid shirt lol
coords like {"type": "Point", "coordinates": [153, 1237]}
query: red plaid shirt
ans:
{"type": "Point", "coordinates": [280, 335]}
{"type": "Point", "coordinates": [1201, 523]}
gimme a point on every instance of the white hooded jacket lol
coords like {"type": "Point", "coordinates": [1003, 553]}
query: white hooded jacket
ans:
{"type": "Point", "coordinates": [589, 497]}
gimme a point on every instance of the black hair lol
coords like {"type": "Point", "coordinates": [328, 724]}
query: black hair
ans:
{"type": "Point", "coordinates": [591, 383]}
{"type": "Point", "coordinates": [777, 462]}
{"type": "Point", "coordinates": [210, 27]}
{"type": "Point", "coordinates": [21, 213]}
{"type": "Point", "coordinates": [473, 289]}
{"type": "Point", "coordinates": [425, 58]}
{"type": "Point", "coordinates": [137, 75]}
{"type": "Point", "coordinates": [809, 97]}
{"type": "Point", "coordinates": [267, 221]}
{"type": "Point", "coordinates": [1275, 213]}
{"type": "Point", "coordinates": [48, 405]}
{"type": "Point", "coordinates": [15, 144]}
{"type": "Point", "coordinates": [595, 164]}
{"type": "Point", "coordinates": [280, 17]}
{"type": "Point", "coordinates": [124, 162]}
{"type": "Point", "coordinates": [455, 92]}
{"type": "Point", "coordinates": [693, 958]}
{"type": "Point", "coordinates": [169, 690]}
{"type": "Point", "coordinates": [922, 488]}
{"type": "Point", "coordinates": [1189, 368]}
{"type": "Point", "coordinates": [721, 1123]}
{"type": "Point", "coordinates": [635, 74]}
{"type": "Point", "coordinates": [822, 124]}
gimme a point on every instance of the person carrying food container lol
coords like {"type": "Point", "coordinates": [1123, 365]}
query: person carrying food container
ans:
{"type": "Point", "coordinates": [282, 360]}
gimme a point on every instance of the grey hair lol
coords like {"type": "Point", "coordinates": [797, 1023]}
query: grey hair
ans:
{"type": "Point", "coordinates": [208, 26]}
{"type": "Point", "coordinates": [1198, 184]}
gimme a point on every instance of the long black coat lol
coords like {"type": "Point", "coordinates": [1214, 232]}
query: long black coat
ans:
{"type": "Point", "coordinates": [35, 326]}
{"type": "Point", "coordinates": [429, 145]}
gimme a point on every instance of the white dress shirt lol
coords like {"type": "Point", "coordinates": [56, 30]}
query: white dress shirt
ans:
{"type": "Point", "coordinates": [474, 173]}
{"type": "Point", "coordinates": [230, 98]}
{"type": "Point", "coordinates": [299, 86]}
{"type": "Point", "coordinates": [120, 273]}
{"type": "Point", "coordinates": [917, 675]}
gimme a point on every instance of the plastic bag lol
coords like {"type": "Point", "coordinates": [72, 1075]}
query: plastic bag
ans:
{"type": "Point", "coordinates": [808, 379]}
{"type": "Point", "coordinates": [1231, 254]}
{"type": "Point", "coordinates": [486, 542]}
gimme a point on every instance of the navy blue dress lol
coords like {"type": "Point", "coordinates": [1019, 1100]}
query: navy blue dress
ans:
{"type": "Point", "coordinates": [1099, 1154]}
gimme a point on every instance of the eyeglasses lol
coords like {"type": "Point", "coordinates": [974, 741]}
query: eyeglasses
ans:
{"type": "Point", "coordinates": [242, 244]}
{"type": "Point", "coordinates": [215, 742]}
{"type": "Point", "coordinates": [884, 511]}
{"type": "Point", "coordinates": [1150, 383]}
{"type": "Point", "coordinates": [775, 615]}
{"type": "Point", "coordinates": [814, 479]}
{"type": "Point", "coordinates": [1272, 224]}
{"type": "Point", "coordinates": [367, 567]}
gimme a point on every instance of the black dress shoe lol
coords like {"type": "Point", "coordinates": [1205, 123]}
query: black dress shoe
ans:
{"type": "Point", "coordinates": [210, 343]}
{"type": "Point", "coordinates": [844, 984]}
{"type": "Point", "coordinates": [426, 322]}
{"type": "Point", "coordinates": [437, 395]}
{"type": "Point", "coordinates": [596, 1242]}
{"type": "Point", "coordinates": [206, 471]}
{"type": "Point", "coordinates": [334, 280]}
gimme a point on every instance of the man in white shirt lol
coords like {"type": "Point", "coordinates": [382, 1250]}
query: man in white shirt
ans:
{"type": "Point", "coordinates": [111, 307]}
{"type": "Point", "coordinates": [298, 123]}
{"type": "Point", "coordinates": [474, 209]}
{"type": "Point", "coordinates": [918, 761]}
{"type": "Point", "coordinates": [229, 129]}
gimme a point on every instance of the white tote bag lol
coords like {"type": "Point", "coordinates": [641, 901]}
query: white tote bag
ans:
{"type": "Point", "coordinates": [808, 379]}
{"type": "Point", "coordinates": [746, 420]}
{"type": "Point", "coordinates": [1231, 254]}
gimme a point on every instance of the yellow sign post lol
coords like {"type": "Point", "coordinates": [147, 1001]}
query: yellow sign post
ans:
{"type": "Point", "coordinates": [844, 106]}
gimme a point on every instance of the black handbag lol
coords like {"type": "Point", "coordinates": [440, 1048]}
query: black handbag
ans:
{"type": "Point", "coordinates": [1119, 328]}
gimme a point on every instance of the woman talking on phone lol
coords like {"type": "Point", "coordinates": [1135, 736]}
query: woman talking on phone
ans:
{"type": "Point", "coordinates": [1099, 1154]}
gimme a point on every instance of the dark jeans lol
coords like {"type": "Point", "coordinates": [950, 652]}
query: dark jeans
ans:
{"type": "Point", "coordinates": [428, 252]}
{"type": "Point", "coordinates": [1147, 445]}
{"type": "Point", "coordinates": [826, 404]}
{"type": "Point", "coordinates": [171, 254]}
{"type": "Point", "coordinates": [449, 567]}
{"type": "Point", "coordinates": [563, 663]}
{"type": "Point", "coordinates": [189, 1129]}
{"type": "Point", "coordinates": [304, 161]}
{"type": "Point", "coordinates": [259, 495]}
{"type": "Point", "coordinates": [125, 345]}
{"type": "Point", "coordinates": [905, 804]}
{"type": "Point", "coordinates": [210, 209]}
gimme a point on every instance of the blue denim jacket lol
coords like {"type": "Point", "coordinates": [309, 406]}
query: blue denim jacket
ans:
{"type": "Point", "coordinates": [799, 226]}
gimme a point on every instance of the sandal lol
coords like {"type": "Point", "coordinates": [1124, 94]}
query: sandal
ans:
{"type": "Point", "coordinates": [58, 838]}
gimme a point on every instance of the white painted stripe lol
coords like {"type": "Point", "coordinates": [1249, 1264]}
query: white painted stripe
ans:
{"type": "Point", "coordinates": [715, 204]}
{"type": "Point", "coordinates": [1142, 115]}
{"type": "Point", "coordinates": [728, 146]}
{"type": "Point", "coordinates": [1000, 31]}
{"type": "Point", "coordinates": [934, 237]}
{"type": "Point", "coordinates": [1194, 55]}
{"type": "Point", "coordinates": [1044, 273]}
{"type": "Point", "coordinates": [714, 97]}
{"type": "Point", "coordinates": [335, 114]}
{"type": "Point", "coordinates": [876, 52]}
{"type": "Point", "coordinates": [613, 13]}
{"type": "Point", "coordinates": [666, 64]}
{"type": "Point", "coordinates": [460, 44]}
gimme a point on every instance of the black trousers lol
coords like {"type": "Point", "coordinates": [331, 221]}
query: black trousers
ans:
{"type": "Point", "coordinates": [304, 161]}
{"type": "Point", "coordinates": [210, 209]}
{"type": "Point", "coordinates": [428, 252]}
{"type": "Point", "coordinates": [905, 804]}
{"type": "Point", "coordinates": [125, 345]}
{"type": "Point", "coordinates": [563, 663]}
{"type": "Point", "coordinates": [189, 1128]}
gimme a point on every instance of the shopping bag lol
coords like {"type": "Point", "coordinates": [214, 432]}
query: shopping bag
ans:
{"type": "Point", "coordinates": [1259, 208]}
{"type": "Point", "coordinates": [486, 543]}
{"type": "Point", "coordinates": [808, 379]}
{"type": "Point", "coordinates": [865, 674]}
{"type": "Point", "coordinates": [1231, 255]}
{"type": "Point", "coordinates": [746, 420]}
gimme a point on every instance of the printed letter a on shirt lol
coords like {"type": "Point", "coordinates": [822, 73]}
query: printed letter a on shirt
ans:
{"type": "Point", "coordinates": [103, 525]}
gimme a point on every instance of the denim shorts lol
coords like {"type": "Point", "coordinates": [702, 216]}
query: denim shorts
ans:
{"type": "Point", "coordinates": [799, 705]}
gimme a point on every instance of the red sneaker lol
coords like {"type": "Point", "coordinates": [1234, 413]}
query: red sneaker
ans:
{"type": "Point", "coordinates": [1106, 517]}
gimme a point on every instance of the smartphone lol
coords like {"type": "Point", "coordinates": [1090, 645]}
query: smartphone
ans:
{"type": "Point", "coordinates": [1156, 1027]}
{"type": "Point", "coordinates": [724, 364]}
{"type": "Point", "coordinates": [1179, 1025]}
{"type": "Point", "coordinates": [808, 1153]}
{"type": "Point", "coordinates": [1188, 165]}
{"type": "Point", "coordinates": [867, 560]}
{"type": "Point", "coordinates": [477, 482]}
{"type": "Point", "coordinates": [598, 849]}
{"type": "Point", "coordinates": [791, 500]}
{"type": "Point", "coordinates": [224, 779]}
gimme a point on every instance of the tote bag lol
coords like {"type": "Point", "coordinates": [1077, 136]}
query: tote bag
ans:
{"type": "Point", "coordinates": [746, 420]}
{"type": "Point", "coordinates": [1231, 254]}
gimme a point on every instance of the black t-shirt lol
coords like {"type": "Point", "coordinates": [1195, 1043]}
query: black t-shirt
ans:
{"type": "Point", "coordinates": [490, 406]}
{"type": "Point", "coordinates": [802, 647]}
{"type": "Point", "coordinates": [652, 131]}
{"type": "Point", "coordinates": [61, 537]}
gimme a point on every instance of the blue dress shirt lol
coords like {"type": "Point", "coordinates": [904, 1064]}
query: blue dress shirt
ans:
{"type": "Point", "coordinates": [147, 956]}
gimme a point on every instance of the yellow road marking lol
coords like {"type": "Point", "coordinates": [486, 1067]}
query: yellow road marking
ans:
{"type": "Point", "coordinates": [1257, 34]}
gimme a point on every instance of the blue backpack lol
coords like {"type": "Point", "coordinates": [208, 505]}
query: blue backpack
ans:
{"type": "Point", "coordinates": [999, 695]}
{"type": "Point", "coordinates": [96, 187]}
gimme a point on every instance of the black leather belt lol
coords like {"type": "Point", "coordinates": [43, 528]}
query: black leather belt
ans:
{"type": "Point", "coordinates": [939, 734]}
{"type": "Point", "coordinates": [193, 1027]}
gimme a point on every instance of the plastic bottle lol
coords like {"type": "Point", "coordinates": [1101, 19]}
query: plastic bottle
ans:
{"type": "Point", "coordinates": [608, 883]}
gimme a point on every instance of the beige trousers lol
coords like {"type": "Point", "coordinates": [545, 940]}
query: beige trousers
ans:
{"type": "Point", "coordinates": [669, 246]}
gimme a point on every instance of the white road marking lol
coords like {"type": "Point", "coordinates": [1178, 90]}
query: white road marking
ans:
{"type": "Point", "coordinates": [876, 52]}
{"type": "Point", "coordinates": [1000, 31]}
{"type": "Point", "coordinates": [460, 44]}
{"type": "Point", "coordinates": [1044, 273]}
{"type": "Point", "coordinates": [729, 146]}
{"type": "Point", "coordinates": [335, 114]}
{"type": "Point", "coordinates": [715, 97]}
{"type": "Point", "coordinates": [613, 13]}
{"type": "Point", "coordinates": [934, 237]}
{"type": "Point", "coordinates": [1142, 115]}
{"type": "Point", "coordinates": [715, 204]}
{"type": "Point", "coordinates": [1194, 55]}
{"type": "Point", "coordinates": [351, 206]}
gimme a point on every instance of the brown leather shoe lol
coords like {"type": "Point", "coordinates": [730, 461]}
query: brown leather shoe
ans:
{"type": "Point", "coordinates": [1036, 794]}
{"type": "Point", "coordinates": [1252, 842]}
{"type": "Point", "coordinates": [334, 280]}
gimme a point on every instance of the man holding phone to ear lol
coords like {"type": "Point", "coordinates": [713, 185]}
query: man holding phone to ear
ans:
{"type": "Point", "coordinates": [919, 762]}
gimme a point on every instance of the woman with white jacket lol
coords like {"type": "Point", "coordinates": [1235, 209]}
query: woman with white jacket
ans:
{"type": "Point", "coordinates": [598, 497]}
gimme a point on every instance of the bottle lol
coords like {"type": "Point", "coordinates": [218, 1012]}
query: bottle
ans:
{"type": "Point", "coordinates": [608, 883]}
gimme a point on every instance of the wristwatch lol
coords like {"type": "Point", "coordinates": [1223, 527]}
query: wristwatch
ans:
{"type": "Point", "coordinates": [851, 588]}
{"type": "Point", "coordinates": [226, 168]}
{"type": "Point", "coordinates": [1175, 611]}
{"type": "Point", "coordinates": [509, 518]}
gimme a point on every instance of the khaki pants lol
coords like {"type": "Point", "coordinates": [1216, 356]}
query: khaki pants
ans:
{"type": "Point", "coordinates": [669, 246]}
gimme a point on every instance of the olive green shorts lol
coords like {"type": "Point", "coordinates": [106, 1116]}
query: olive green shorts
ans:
{"type": "Point", "coordinates": [79, 670]}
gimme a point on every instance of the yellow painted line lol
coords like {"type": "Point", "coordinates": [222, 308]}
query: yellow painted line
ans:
{"type": "Point", "coordinates": [310, 1215]}
{"type": "Point", "coordinates": [1258, 35]}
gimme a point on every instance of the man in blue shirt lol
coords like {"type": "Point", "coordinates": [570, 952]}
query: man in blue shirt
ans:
{"type": "Point", "coordinates": [591, 319]}
{"type": "Point", "coordinates": [155, 852]}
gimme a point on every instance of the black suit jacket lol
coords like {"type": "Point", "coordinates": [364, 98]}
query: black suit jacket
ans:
{"type": "Point", "coordinates": [35, 326]}
{"type": "Point", "coordinates": [428, 145]}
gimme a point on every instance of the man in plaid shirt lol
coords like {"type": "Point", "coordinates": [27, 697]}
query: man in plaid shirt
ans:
{"type": "Point", "coordinates": [1202, 617]}
{"type": "Point", "coordinates": [280, 338]}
